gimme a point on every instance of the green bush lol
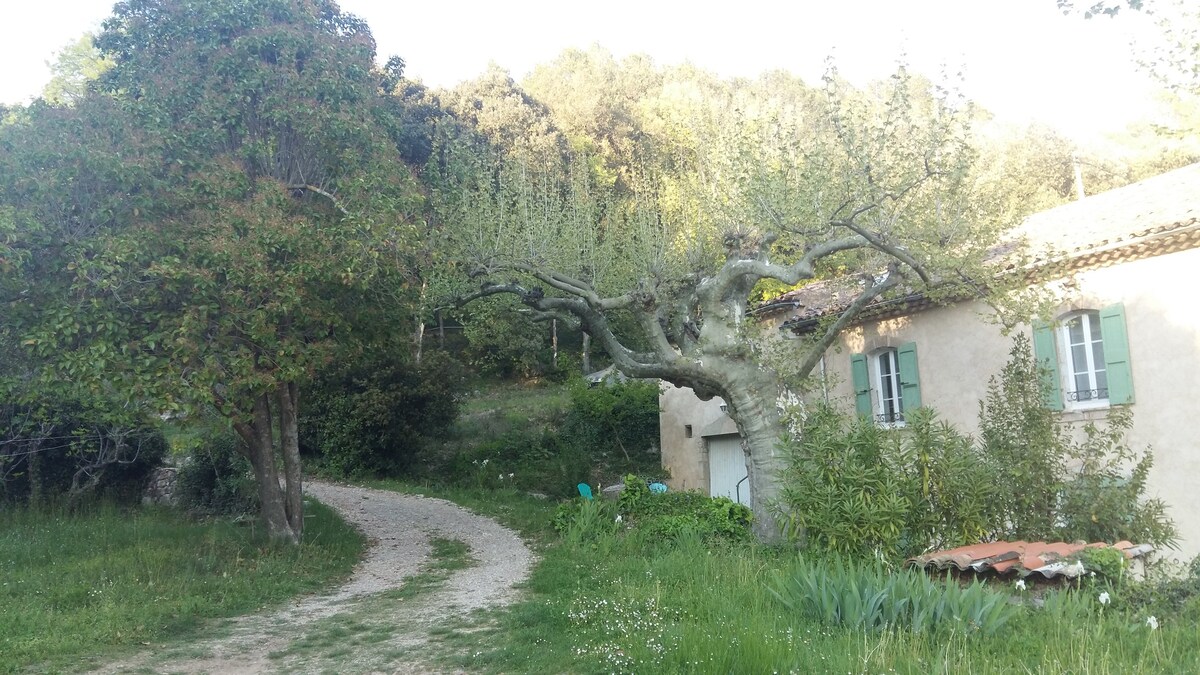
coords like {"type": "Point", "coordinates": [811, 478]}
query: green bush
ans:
{"type": "Point", "coordinates": [618, 419]}
{"type": "Point", "coordinates": [866, 596]}
{"type": "Point", "coordinates": [669, 515]}
{"type": "Point", "coordinates": [216, 479]}
{"type": "Point", "coordinates": [538, 459]}
{"type": "Point", "coordinates": [585, 520]}
{"type": "Point", "coordinates": [1048, 485]}
{"type": "Point", "coordinates": [1167, 592]}
{"type": "Point", "coordinates": [371, 416]}
{"type": "Point", "coordinates": [65, 451]}
{"type": "Point", "coordinates": [852, 487]}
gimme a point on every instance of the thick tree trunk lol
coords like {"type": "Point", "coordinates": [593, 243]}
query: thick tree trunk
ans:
{"type": "Point", "coordinates": [755, 409]}
{"type": "Point", "coordinates": [260, 450]}
{"type": "Point", "coordinates": [289, 442]}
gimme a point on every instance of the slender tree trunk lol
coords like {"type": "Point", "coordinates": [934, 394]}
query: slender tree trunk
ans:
{"type": "Point", "coordinates": [419, 319]}
{"type": "Point", "coordinates": [289, 445]}
{"type": "Point", "coordinates": [586, 353]}
{"type": "Point", "coordinates": [418, 340]}
{"type": "Point", "coordinates": [260, 450]}
{"type": "Point", "coordinates": [441, 331]}
{"type": "Point", "coordinates": [35, 475]}
{"type": "Point", "coordinates": [554, 342]}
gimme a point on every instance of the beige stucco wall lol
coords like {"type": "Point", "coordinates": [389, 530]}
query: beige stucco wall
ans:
{"type": "Point", "coordinates": [686, 459]}
{"type": "Point", "coordinates": [958, 349]}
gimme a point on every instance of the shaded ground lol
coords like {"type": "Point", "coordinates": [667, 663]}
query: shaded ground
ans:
{"type": "Point", "coordinates": [382, 618]}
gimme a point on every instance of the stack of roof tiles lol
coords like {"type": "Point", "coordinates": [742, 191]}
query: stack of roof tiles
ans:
{"type": "Point", "coordinates": [1023, 558]}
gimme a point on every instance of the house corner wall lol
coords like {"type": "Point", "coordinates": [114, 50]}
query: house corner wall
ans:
{"type": "Point", "coordinates": [686, 459]}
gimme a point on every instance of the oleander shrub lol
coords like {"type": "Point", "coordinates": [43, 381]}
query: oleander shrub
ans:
{"type": "Point", "coordinates": [852, 487]}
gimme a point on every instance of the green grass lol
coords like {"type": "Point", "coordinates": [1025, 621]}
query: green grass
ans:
{"type": "Point", "coordinates": [630, 603]}
{"type": "Point", "coordinates": [525, 513]}
{"type": "Point", "coordinates": [74, 588]}
{"type": "Point", "coordinates": [531, 400]}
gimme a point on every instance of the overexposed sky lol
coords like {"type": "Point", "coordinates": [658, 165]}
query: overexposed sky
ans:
{"type": "Point", "coordinates": [1022, 59]}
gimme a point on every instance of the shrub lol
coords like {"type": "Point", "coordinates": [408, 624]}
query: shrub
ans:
{"type": "Point", "coordinates": [584, 520]}
{"type": "Point", "coordinates": [617, 417]}
{"type": "Point", "coordinates": [1049, 485]}
{"type": "Point", "coordinates": [852, 487]}
{"type": "Point", "coordinates": [504, 342]}
{"type": "Point", "coordinates": [216, 479]}
{"type": "Point", "coordinates": [63, 450]}
{"type": "Point", "coordinates": [670, 515]}
{"type": "Point", "coordinates": [371, 416]}
{"type": "Point", "coordinates": [1168, 592]}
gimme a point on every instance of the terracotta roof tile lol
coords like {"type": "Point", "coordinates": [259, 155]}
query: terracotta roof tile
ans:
{"type": "Point", "coordinates": [1020, 557]}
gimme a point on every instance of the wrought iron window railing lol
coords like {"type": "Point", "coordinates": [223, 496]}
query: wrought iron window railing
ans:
{"type": "Point", "coordinates": [1084, 395]}
{"type": "Point", "coordinates": [890, 418]}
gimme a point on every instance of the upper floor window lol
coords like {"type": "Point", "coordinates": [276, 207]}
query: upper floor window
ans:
{"type": "Point", "coordinates": [1085, 375]}
{"type": "Point", "coordinates": [886, 383]}
{"type": "Point", "coordinates": [1085, 359]}
{"type": "Point", "coordinates": [889, 396]}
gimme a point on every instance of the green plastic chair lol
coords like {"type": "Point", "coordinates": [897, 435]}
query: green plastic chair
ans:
{"type": "Point", "coordinates": [585, 491]}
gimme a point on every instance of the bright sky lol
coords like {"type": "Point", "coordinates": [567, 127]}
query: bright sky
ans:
{"type": "Point", "coordinates": [1022, 59]}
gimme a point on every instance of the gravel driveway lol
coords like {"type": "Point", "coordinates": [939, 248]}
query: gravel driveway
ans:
{"type": "Point", "coordinates": [399, 528]}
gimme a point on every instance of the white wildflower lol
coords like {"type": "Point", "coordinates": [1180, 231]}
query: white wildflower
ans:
{"type": "Point", "coordinates": [619, 518]}
{"type": "Point", "coordinates": [1104, 598]}
{"type": "Point", "coordinates": [1020, 584]}
{"type": "Point", "coordinates": [1152, 622]}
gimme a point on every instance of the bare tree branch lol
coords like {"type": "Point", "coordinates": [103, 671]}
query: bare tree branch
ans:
{"type": "Point", "coordinates": [873, 290]}
{"type": "Point", "coordinates": [316, 190]}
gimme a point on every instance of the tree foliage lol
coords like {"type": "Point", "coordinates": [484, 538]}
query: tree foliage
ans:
{"type": "Point", "coordinates": [205, 225]}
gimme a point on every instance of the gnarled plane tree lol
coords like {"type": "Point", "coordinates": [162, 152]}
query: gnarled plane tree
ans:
{"type": "Point", "coordinates": [873, 187]}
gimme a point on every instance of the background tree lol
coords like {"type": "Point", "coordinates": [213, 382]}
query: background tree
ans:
{"type": "Point", "coordinates": [219, 208]}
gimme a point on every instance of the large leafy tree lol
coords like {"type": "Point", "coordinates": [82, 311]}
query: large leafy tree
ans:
{"type": "Point", "coordinates": [758, 184]}
{"type": "Point", "coordinates": [211, 215]}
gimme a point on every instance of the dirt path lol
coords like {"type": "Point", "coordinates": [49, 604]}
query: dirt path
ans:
{"type": "Point", "coordinates": [369, 624]}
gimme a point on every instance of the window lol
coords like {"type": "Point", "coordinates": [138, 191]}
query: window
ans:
{"type": "Point", "coordinates": [1085, 360]}
{"type": "Point", "coordinates": [886, 383]}
{"type": "Point", "coordinates": [1084, 374]}
{"type": "Point", "coordinates": [889, 396]}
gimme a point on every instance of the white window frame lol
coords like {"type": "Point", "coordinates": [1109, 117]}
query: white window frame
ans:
{"type": "Point", "coordinates": [879, 400]}
{"type": "Point", "coordinates": [1088, 319]}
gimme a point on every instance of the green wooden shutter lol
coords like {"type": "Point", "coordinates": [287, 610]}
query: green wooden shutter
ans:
{"type": "Point", "coordinates": [1046, 355]}
{"type": "Point", "coordinates": [1116, 354]}
{"type": "Point", "coordinates": [862, 384]}
{"type": "Point", "coordinates": [910, 382]}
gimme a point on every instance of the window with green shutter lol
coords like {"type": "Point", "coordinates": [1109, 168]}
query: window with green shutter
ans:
{"type": "Point", "coordinates": [886, 383]}
{"type": "Point", "coordinates": [1086, 359]}
{"type": "Point", "coordinates": [1046, 355]}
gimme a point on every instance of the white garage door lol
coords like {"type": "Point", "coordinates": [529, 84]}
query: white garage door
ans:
{"type": "Point", "coordinates": [726, 468]}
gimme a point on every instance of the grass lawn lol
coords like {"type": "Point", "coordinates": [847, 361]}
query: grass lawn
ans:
{"type": "Point", "coordinates": [628, 603]}
{"type": "Point", "coordinates": [76, 589]}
